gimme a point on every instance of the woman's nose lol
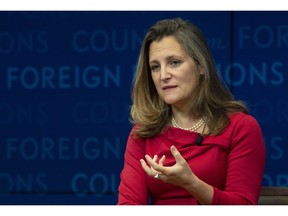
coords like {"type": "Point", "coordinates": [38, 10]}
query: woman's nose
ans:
{"type": "Point", "coordinates": [165, 73]}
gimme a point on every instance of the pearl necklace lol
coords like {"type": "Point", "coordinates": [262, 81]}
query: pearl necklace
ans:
{"type": "Point", "coordinates": [194, 128]}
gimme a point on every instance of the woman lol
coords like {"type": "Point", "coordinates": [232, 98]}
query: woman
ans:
{"type": "Point", "coordinates": [191, 143]}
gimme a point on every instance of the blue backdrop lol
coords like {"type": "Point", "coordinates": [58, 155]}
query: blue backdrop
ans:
{"type": "Point", "coordinates": [65, 81]}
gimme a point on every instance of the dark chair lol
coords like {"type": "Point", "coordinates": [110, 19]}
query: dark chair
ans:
{"type": "Point", "coordinates": [273, 196]}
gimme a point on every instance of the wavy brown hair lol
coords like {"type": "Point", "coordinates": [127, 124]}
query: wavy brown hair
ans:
{"type": "Point", "coordinates": [212, 100]}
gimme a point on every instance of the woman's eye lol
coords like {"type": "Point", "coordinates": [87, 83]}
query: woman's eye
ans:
{"type": "Point", "coordinates": [175, 62]}
{"type": "Point", "coordinates": [154, 67]}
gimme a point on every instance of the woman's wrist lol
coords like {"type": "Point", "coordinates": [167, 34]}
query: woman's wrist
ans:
{"type": "Point", "coordinates": [202, 191]}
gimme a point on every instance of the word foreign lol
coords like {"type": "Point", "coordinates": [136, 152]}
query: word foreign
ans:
{"type": "Point", "coordinates": [263, 36]}
{"type": "Point", "coordinates": [62, 148]}
{"type": "Point", "coordinates": [63, 77]}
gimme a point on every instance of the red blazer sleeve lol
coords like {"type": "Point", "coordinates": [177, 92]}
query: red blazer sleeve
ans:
{"type": "Point", "coordinates": [133, 187]}
{"type": "Point", "coordinates": [246, 162]}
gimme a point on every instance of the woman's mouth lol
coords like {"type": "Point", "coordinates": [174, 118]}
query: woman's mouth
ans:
{"type": "Point", "coordinates": [168, 87]}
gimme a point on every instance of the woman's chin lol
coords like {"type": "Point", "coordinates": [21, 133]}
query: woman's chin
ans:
{"type": "Point", "coordinates": [170, 102]}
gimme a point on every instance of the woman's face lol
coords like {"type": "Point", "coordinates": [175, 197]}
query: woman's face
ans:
{"type": "Point", "coordinates": [174, 73]}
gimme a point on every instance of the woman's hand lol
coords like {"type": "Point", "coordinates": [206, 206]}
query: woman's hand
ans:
{"type": "Point", "coordinates": [179, 174]}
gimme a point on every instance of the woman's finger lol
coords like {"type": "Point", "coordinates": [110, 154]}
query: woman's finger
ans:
{"type": "Point", "coordinates": [154, 165]}
{"type": "Point", "coordinates": [176, 154]}
{"type": "Point", "coordinates": [146, 168]}
{"type": "Point", "coordinates": [162, 159]}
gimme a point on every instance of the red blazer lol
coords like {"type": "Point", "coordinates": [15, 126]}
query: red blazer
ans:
{"type": "Point", "coordinates": [232, 162]}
